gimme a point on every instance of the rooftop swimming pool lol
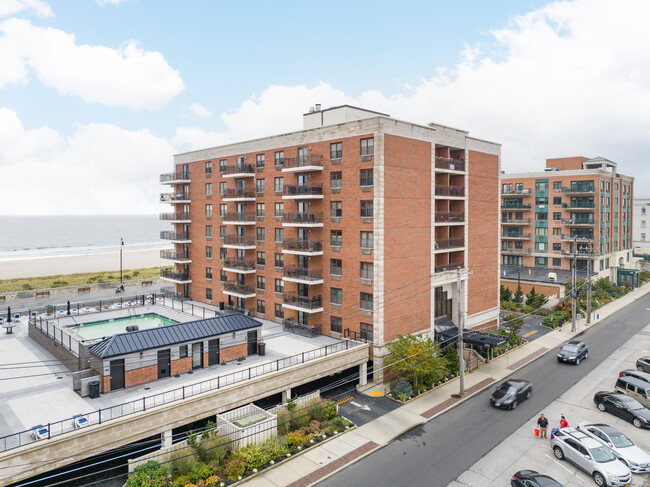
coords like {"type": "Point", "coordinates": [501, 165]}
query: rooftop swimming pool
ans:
{"type": "Point", "coordinates": [108, 328]}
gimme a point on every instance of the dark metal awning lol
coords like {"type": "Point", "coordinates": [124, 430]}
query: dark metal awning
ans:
{"type": "Point", "coordinates": [477, 338]}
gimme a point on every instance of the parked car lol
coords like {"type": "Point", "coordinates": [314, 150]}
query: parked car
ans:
{"type": "Point", "coordinates": [623, 447]}
{"type": "Point", "coordinates": [624, 407]}
{"type": "Point", "coordinates": [530, 478]}
{"type": "Point", "coordinates": [590, 456]}
{"type": "Point", "coordinates": [510, 393]}
{"type": "Point", "coordinates": [573, 351]}
{"type": "Point", "coordinates": [635, 388]}
{"type": "Point", "coordinates": [643, 364]}
{"type": "Point", "coordinates": [637, 374]}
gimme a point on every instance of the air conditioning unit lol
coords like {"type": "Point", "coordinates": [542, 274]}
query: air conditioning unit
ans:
{"type": "Point", "coordinates": [552, 276]}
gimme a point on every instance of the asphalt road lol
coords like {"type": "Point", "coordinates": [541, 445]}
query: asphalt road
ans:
{"type": "Point", "coordinates": [437, 452]}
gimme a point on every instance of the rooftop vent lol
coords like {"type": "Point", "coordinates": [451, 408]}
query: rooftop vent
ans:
{"type": "Point", "coordinates": [317, 107]}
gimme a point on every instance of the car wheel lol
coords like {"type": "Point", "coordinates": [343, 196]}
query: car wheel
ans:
{"type": "Point", "coordinates": [559, 454]}
{"type": "Point", "coordinates": [577, 361]}
{"type": "Point", "coordinates": [601, 406]}
{"type": "Point", "coordinates": [528, 394]}
{"type": "Point", "coordinates": [599, 479]}
{"type": "Point", "coordinates": [639, 368]}
{"type": "Point", "coordinates": [637, 423]}
{"type": "Point", "coordinates": [514, 404]}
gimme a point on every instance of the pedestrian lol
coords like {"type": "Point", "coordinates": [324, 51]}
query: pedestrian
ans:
{"type": "Point", "coordinates": [563, 422]}
{"type": "Point", "coordinates": [542, 422]}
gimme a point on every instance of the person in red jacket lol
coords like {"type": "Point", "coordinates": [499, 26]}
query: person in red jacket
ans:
{"type": "Point", "coordinates": [563, 422]}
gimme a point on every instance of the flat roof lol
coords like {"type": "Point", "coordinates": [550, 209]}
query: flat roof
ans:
{"type": "Point", "coordinates": [540, 274]}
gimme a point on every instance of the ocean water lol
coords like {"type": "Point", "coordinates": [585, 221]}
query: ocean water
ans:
{"type": "Point", "coordinates": [29, 237]}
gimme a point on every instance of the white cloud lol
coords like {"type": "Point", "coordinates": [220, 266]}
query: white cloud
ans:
{"type": "Point", "coordinates": [200, 110]}
{"type": "Point", "coordinates": [13, 7]}
{"type": "Point", "coordinates": [100, 169]}
{"type": "Point", "coordinates": [127, 77]}
{"type": "Point", "coordinates": [108, 2]}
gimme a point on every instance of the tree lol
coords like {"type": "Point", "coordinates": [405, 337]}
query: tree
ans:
{"type": "Point", "coordinates": [519, 296]}
{"type": "Point", "coordinates": [512, 324]}
{"type": "Point", "coordinates": [506, 294]}
{"type": "Point", "coordinates": [415, 356]}
{"type": "Point", "coordinates": [531, 297]}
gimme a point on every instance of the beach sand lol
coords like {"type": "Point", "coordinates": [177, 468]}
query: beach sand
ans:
{"type": "Point", "coordinates": [72, 264]}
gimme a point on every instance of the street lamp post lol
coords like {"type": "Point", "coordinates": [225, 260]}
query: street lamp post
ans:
{"type": "Point", "coordinates": [121, 246]}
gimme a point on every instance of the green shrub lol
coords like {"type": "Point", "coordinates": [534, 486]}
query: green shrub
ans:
{"type": "Point", "coordinates": [508, 305]}
{"type": "Point", "coordinates": [403, 388]}
{"type": "Point", "coordinates": [59, 283]}
{"type": "Point", "coordinates": [215, 450]}
{"type": "Point", "coordinates": [154, 474]}
{"type": "Point", "coordinates": [27, 287]}
{"type": "Point", "coordinates": [527, 309]}
{"type": "Point", "coordinates": [233, 467]}
{"type": "Point", "coordinates": [199, 471]}
{"type": "Point", "coordinates": [337, 423]}
{"type": "Point", "coordinates": [254, 456]}
{"type": "Point", "coordinates": [127, 277]}
{"type": "Point", "coordinates": [182, 464]}
{"type": "Point", "coordinates": [296, 438]}
{"type": "Point", "coordinates": [136, 273]}
{"type": "Point", "coordinates": [451, 357]}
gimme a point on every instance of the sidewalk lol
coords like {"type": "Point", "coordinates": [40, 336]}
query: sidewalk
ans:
{"type": "Point", "coordinates": [324, 460]}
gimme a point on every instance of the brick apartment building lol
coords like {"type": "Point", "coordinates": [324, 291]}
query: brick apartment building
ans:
{"type": "Point", "coordinates": [354, 226]}
{"type": "Point", "coordinates": [542, 212]}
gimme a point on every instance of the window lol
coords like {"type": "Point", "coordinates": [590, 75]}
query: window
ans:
{"type": "Point", "coordinates": [223, 209]}
{"type": "Point", "coordinates": [223, 165]}
{"type": "Point", "coordinates": [259, 161]}
{"type": "Point", "coordinates": [541, 261]}
{"type": "Point", "coordinates": [336, 324]}
{"type": "Point", "coordinates": [279, 210]}
{"type": "Point", "coordinates": [366, 331]}
{"type": "Point", "coordinates": [182, 351]}
{"type": "Point", "coordinates": [208, 211]}
{"type": "Point", "coordinates": [259, 186]}
{"type": "Point", "coordinates": [208, 190]}
{"type": "Point", "coordinates": [208, 252]}
{"type": "Point", "coordinates": [261, 283]}
{"type": "Point", "coordinates": [518, 244]}
{"type": "Point", "coordinates": [642, 223]}
{"type": "Point", "coordinates": [365, 177]}
{"type": "Point", "coordinates": [541, 201]}
{"type": "Point", "coordinates": [541, 216]}
{"type": "Point", "coordinates": [367, 147]}
{"type": "Point", "coordinates": [541, 246]}
{"type": "Point", "coordinates": [279, 158]}
{"type": "Point", "coordinates": [223, 254]}
{"type": "Point", "coordinates": [541, 185]}
{"type": "Point", "coordinates": [557, 232]}
{"type": "Point", "coordinates": [260, 210]}
{"type": "Point", "coordinates": [336, 209]}
{"type": "Point", "coordinates": [208, 168]}
{"type": "Point", "coordinates": [222, 189]}
{"type": "Point", "coordinates": [336, 267]}
{"type": "Point", "coordinates": [279, 235]}
{"type": "Point", "coordinates": [557, 247]}
{"type": "Point", "coordinates": [557, 216]}
{"type": "Point", "coordinates": [336, 180]}
{"type": "Point", "coordinates": [557, 200]}
{"type": "Point", "coordinates": [208, 232]}
{"type": "Point", "coordinates": [279, 286]}
{"type": "Point", "coordinates": [366, 209]}
{"type": "Point", "coordinates": [208, 273]}
{"type": "Point", "coordinates": [643, 210]}
{"type": "Point", "coordinates": [279, 185]}
{"type": "Point", "coordinates": [336, 238]}
{"type": "Point", "coordinates": [336, 296]}
{"type": "Point", "coordinates": [366, 301]}
{"type": "Point", "coordinates": [279, 260]}
{"type": "Point", "coordinates": [279, 311]}
{"type": "Point", "coordinates": [223, 232]}
{"type": "Point", "coordinates": [261, 258]}
{"type": "Point", "coordinates": [208, 294]}
{"type": "Point", "coordinates": [261, 307]}
{"type": "Point", "coordinates": [557, 262]}
{"type": "Point", "coordinates": [557, 185]}
{"type": "Point", "coordinates": [367, 240]}
{"type": "Point", "coordinates": [543, 231]}
{"type": "Point", "coordinates": [336, 150]}
{"type": "Point", "coordinates": [261, 234]}
{"type": "Point", "coordinates": [223, 275]}
{"type": "Point", "coordinates": [643, 237]}
{"type": "Point", "coordinates": [366, 270]}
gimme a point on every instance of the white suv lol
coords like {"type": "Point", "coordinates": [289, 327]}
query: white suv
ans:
{"type": "Point", "coordinates": [591, 456]}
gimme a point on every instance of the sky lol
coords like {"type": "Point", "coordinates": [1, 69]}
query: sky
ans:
{"type": "Point", "coordinates": [96, 96]}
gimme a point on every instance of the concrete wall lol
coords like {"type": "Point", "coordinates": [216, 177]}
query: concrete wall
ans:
{"type": "Point", "coordinates": [66, 357]}
{"type": "Point", "coordinates": [136, 283]}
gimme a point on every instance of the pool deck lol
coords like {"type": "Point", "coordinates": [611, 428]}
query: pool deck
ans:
{"type": "Point", "coordinates": [40, 387]}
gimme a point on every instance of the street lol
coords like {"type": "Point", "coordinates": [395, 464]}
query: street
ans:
{"type": "Point", "coordinates": [438, 452]}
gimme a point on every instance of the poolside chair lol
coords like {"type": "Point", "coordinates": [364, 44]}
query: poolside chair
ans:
{"type": "Point", "coordinates": [17, 316]}
{"type": "Point", "coordinates": [86, 309]}
{"type": "Point", "coordinates": [74, 311]}
{"type": "Point", "coordinates": [61, 312]}
{"type": "Point", "coordinates": [79, 421]}
{"type": "Point", "coordinates": [2, 320]}
{"type": "Point", "coordinates": [39, 432]}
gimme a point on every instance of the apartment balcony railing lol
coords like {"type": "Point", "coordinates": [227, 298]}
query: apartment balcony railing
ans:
{"type": "Point", "coordinates": [450, 216]}
{"type": "Point", "coordinates": [452, 266]}
{"type": "Point", "coordinates": [183, 215]}
{"type": "Point", "coordinates": [175, 176]}
{"type": "Point", "coordinates": [303, 245]}
{"type": "Point", "coordinates": [236, 217]}
{"type": "Point", "coordinates": [514, 221]}
{"type": "Point", "coordinates": [303, 190]}
{"type": "Point", "coordinates": [243, 290]}
{"type": "Point", "coordinates": [308, 303]}
{"type": "Point", "coordinates": [236, 240]}
{"type": "Point", "coordinates": [235, 309]}
{"type": "Point", "coordinates": [301, 328]}
{"type": "Point", "coordinates": [523, 192]}
{"type": "Point", "coordinates": [449, 243]}
{"type": "Point", "coordinates": [581, 206]}
{"type": "Point", "coordinates": [310, 274]}
{"type": "Point", "coordinates": [576, 237]}
{"type": "Point", "coordinates": [177, 256]}
{"type": "Point", "coordinates": [515, 206]}
{"type": "Point", "coordinates": [174, 275]}
{"type": "Point", "coordinates": [239, 264]}
{"type": "Point", "coordinates": [306, 218]}
{"type": "Point", "coordinates": [519, 236]}
{"type": "Point", "coordinates": [578, 223]}
{"type": "Point", "coordinates": [172, 197]}
{"type": "Point", "coordinates": [577, 190]}
{"type": "Point", "coordinates": [246, 169]}
{"type": "Point", "coordinates": [445, 190]}
{"type": "Point", "coordinates": [302, 161]}
{"type": "Point", "coordinates": [517, 251]}
{"type": "Point", "coordinates": [167, 235]}
{"type": "Point", "coordinates": [451, 164]}
{"type": "Point", "coordinates": [232, 193]}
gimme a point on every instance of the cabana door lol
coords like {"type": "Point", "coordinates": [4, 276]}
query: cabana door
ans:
{"type": "Point", "coordinates": [164, 363]}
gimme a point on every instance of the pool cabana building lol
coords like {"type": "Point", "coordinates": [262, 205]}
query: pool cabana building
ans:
{"type": "Point", "coordinates": [137, 357]}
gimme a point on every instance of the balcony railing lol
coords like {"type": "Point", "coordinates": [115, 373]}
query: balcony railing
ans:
{"type": "Point", "coordinates": [303, 245]}
{"type": "Point", "coordinates": [303, 190]}
{"type": "Point", "coordinates": [167, 235]}
{"type": "Point", "coordinates": [576, 237]}
{"type": "Point", "coordinates": [239, 264]}
{"type": "Point", "coordinates": [581, 206]}
{"type": "Point", "coordinates": [235, 287]}
{"type": "Point", "coordinates": [517, 251]}
{"type": "Point", "coordinates": [449, 243]}
{"type": "Point", "coordinates": [302, 161]}
{"type": "Point", "coordinates": [301, 328]}
{"type": "Point", "coordinates": [515, 206]}
{"type": "Point", "coordinates": [450, 216]}
{"type": "Point", "coordinates": [168, 197]}
{"type": "Point", "coordinates": [577, 190]}
{"type": "Point", "coordinates": [237, 240]}
{"type": "Point", "coordinates": [312, 302]}
{"type": "Point", "coordinates": [238, 193]}
{"type": "Point", "coordinates": [513, 221]}
{"type": "Point", "coordinates": [233, 216]}
{"type": "Point", "coordinates": [449, 267]}
{"type": "Point", "coordinates": [445, 190]}
{"type": "Point", "coordinates": [523, 191]}
{"type": "Point", "coordinates": [171, 255]}
{"type": "Point", "coordinates": [306, 218]}
{"type": "Point", "coordinates": [175, 176]}
{"type": "Point", "coordinates": [173, 274]}
{"type": "Point", "coordinates": [310, 274]}
{"type": "Point", "coordinates": [452, 164]}
{"type": "Point", "coordinates": [235, 309]}
{"type": "Point", "coordinates": [516, 235]}
{"type": "Point", "coordinates": [575, 223]}
{"type": "Point", "coordinates": [237, 169]}
{"type": "Point", "coordinates": [183, 215]}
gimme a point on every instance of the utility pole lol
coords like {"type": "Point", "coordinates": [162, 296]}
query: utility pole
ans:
{"type": "Point", "coordinates": [574, 287]}
{"type": "Point", "coordinates": [461, 355]}
{"type": "Point", "coordinates": [590, 253]}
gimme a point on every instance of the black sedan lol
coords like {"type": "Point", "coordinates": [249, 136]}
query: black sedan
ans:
{"type": "Point", "coordinates": [573, 351]}
{"type": "Point", "coordinates": [510, 393]}
{"type": "Point", "coordinates": [643, 364]}
{"type": "Point", "coordinates": [624, 407]}
{"type": "Point", "coordinates": [530, 478]}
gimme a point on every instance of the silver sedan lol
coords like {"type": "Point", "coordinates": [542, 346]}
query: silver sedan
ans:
{"type": "Point", "coordinates": [623, 447]}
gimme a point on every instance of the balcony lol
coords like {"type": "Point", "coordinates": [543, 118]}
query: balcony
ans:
{"type": "Point", "coordinates": [312, 162]}
{"type": "Point", "coordinates": [450, 217]}
{"type": "Point", "coordinates": [238, 171]}
{"type": "Point", "coordinates": [178, 257]}
{"type": "Point", "coordinates": [450, 191]}
{"type": "Point", "coordinates": [450, 164]}
{"type": "Point", "coordinates": [576, 206]}
{"type": "Point", "coordinates": [515, 206]}
{"type": "Point", "coordinates": [579, 190]}
{"type": "Point", "coordinates": [512, 221]}
{"type": "Point", "coordinates": [578, 223]}
{"type": "Point", "coordinates": [238, 290]}
{"type": "Point", "coordinates": [579, 238]}
{"type": "Point", "coordinates": [302, 275]}
{"type": "Point", "coordinates": [581, 254]}
{"type": "Point", "coordinates": [173, 276]}
{"type": "Point", "coordinates": [175, 237]}
{"type": "Point", "coordinates": [514, 192]}
{"type": "Point", "coordinates": [302, 247]}
{"type": "Point", "coordinates": [303, 191]}
{"type": "Point", "coordinates": [175, 177]}
{"type": "Point", "coordinates": [302, 219]}
{"type": "Point", "coordinates": [235, 309]}
{"type": "Point", "coordinates": [452, 266]}
{"type": "Point", "coordinates": [178, 217]}
{"type": "Point", "coordinates": [175, 197]}
{"type": "Point", "coordinates": [236, 218]}
{"type": "Point", "coordinates": [517, 251]}
{"type": "Point", "coordinates": [449, 243]}
{"type": "Point", "coordinates": [517, 236]}
{"type": "Point", "coordinates": [301, 328]}
{"type": "Point", "coordinates": [306, 304]}
{"type": "Point", "coordinates": [240, 266]}
{"type": "Point", "coordinates": [238, 242]}
{"type": "Point", "coordinates": [238, 195]}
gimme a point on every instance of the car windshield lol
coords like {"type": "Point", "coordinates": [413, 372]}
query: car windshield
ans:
{"type": "Point", "coordinates": [621, 441]}
{"type": "Point", "coordinates": [507, 389]}
{"type": "Point", "coordinates": [633, 404]}
{"type": "Point", "coordinates": [602, 454]}
{"type": "Point", "coordinates": [570, 348]}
